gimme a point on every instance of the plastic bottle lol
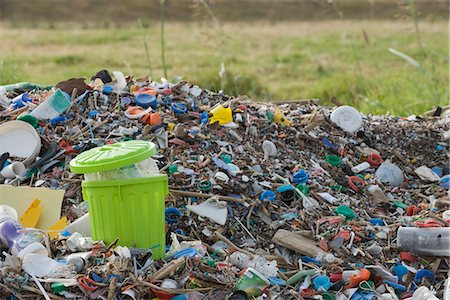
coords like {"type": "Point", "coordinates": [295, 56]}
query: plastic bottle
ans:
{"type": "Point", "coordinates": [52, 107]}
{"type": "Point", "coordinates": [423, 293]}
{"type": "Point", "coordinates": [14, 240]}
{"type": "Point", "coordinates": [425, 241]}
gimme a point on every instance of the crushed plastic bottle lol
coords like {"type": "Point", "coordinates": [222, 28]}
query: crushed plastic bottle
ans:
{"type": "Point", "coordinates": [426, 241]}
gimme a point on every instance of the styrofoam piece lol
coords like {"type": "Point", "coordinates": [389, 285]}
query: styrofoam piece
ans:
{"type": "Point", "coordinates": [212, 209]}
{"type": "Point", "coordinates": [347, 118]}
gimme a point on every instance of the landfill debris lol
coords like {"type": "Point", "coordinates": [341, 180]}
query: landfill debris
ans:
{"type": "Point", "coordinates": [291, 200]}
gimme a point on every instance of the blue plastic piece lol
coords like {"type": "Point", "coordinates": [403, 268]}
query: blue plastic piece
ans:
{"type": "Point", "coordinates": [178, 108]}
{"type": "Point", "coordinates": [267, 195]}
{"type": "Point", "coordinates": [108, 279]}
{"type": "Point", "coordinates": [180, 297]}
{"type": "Point", "coordinates": [96, 278]}
{"type": "Point", "coordinates": [93, 113]}
{"type": "Point", "coordinates": [277, 281]}
{"type": "Point", "coordinates": [107, 89]}
{"type": "Point", "coordinates": [445, 181]}
{"type": "Point", "coordinates": [300, 177]}
{"type": "Point", "coordinates": [310, 260]}
{"type": "Point", "coordinates": [20, 100]}
{"type": "Point", "coordinates": [424, 273]}
{"type": "Point", "coordinates": [438, 171]}
{"type": "Point", "coordinates": [439, 147]}
{"type": "Point", "coordinates": [58, 119]}
{"type": "Point", "coordinates": [376, 222]}
{"type": "Point", "coordinates": [359, 295]}
{"type": "Point", "coordinates": [188, 252]}
{"type": "Point", "coordinates": [180, 232]}
{"type": "Point", "coordinates": [322, 283]}
{"type": "Point", "coordinates": [172, 211]}
{"type": "Point", "coordinates": [396, 286]}
{"type": "Point", "coordinates": [145, 101]}
{"type": "Point", "coordinates": [400, 271]}
{"type": "Point", "coordinates": [204, 118]}
{"type": "Point", "coordinates": [65, 233]}
{"type": "Point", "coordinates": [284, 188]}
{"type": "Point", "coordinates": [125, 101]}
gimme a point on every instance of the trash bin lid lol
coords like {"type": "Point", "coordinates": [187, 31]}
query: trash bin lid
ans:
{"type": "Point", "coordinates": [112, 156]}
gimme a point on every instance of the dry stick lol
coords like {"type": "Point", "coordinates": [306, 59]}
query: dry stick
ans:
{"type": "Point", "coordinates": [245, 228]}
{"type": "Point", "coordinates": [194, 194]}
{"type": "Point", "coordinates": [11, 291]}
{"type": "Point", "coordinates": [171, 291]}
{"type": "Point", "coordinates": [168, 269]}
{"type": "Point", "coordinates": [230, 243]}
{"type": "Point", "coordinates": [37, 291]}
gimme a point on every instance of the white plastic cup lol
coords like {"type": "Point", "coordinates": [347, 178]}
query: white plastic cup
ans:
{"type": "Point", "coordinates": [11, 171]}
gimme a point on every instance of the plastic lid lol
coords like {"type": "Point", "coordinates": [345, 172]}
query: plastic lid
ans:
{"type": "Point", "coordinates": [347, 118]}
{"type": "Point", "coordinates": [110, 157]}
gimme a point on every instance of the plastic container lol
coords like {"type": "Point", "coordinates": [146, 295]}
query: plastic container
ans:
{"type": "Point", "coordinates": [252, 283]}
{"type": "Point", "coordinates": [52, 107]}
{"type": "Point", "coordinates": [425, 241]}
{"type": "Point", "coordinates": [20, 140]}
{"type": "Point", "coordinates": [17, 242]}
{"type": "Point", "coordinates": [125, 200]}
{"type": "Point", "coordinates": [347, 118]}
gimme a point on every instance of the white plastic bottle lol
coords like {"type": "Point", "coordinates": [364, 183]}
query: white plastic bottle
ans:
{"type": "Point", "coordinates": [425, 241]}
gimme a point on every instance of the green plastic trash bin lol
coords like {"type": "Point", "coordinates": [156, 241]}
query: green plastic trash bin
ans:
{"type": "Point", "coordinates": [130, 209]}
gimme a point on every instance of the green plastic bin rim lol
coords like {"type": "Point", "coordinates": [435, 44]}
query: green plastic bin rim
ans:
{"type": "Point", "coordinates": [112, 156]}
{"type": "Point", "coordinates": [123, 182]}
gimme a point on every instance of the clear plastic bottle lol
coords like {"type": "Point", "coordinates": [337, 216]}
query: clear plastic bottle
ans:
{"type": "Point", "coordinates": [425, 241]}
{"type": "Point", "coordinates": [53, 106]}
{"type": "Point", "coordinates": [10, 236]}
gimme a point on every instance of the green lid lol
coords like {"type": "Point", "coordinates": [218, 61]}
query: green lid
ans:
{"type": "Point", "coordinates": [333, 160]}
{"type": "Point", "coordinates": [32, 120]}
{"type": "Point", "coordinates": [346, 211]}
{"type": "Point", "coordinates": [110, 157]}
{"type": "Point", "coordinates": [58, 287]}
{"type": "Point", "coordinates": [304, 189]}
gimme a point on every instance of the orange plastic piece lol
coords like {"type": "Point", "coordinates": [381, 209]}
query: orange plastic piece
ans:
{"type": "Point", "coordinates": [152, 119]}
{"type": "Point", "coordinates": [146, 90]}
{"type": "Point", "coordinates": [364, 275]}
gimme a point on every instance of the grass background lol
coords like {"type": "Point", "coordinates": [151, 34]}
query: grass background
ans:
{"type": "Point", "coordinates": [336, 54]}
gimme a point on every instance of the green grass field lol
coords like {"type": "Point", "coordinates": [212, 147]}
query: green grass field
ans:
{"type": "Point", "coordinates": [267, 61]}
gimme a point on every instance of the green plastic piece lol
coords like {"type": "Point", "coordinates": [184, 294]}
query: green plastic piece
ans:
{"type": "Point", "coordinates": [399, 204]}
{"type": "Point", "coordinates": [338, 188]}
{"type": "Point", "coordinates": [204, 185]}
{"type": "Point", "coordinates": [58, 287]}
{"type": "Point", "coordinates": [299, 276]}
{"type": "Point", "coordinates": [173, 169]}
{"type": "Point", "coordinates": [361, 176]}
{"type": "Point", "coordinates": [226, 158]}
{"type": "Point", "coordinates": [33, 121]}
{"type": "Point", "coordinates": [328, 296]}
{"type": "Point", "coordinates": [131, 210]}
{"type": "Point", "coordinates": [24, 86]}
{"type": "Point", "coordinates": [346, 211]}
{"type": "Point", "coordinates": [333, 160]}
{"type": "Point", "coordinates": [269, 116]}
{"type": "Point", "coordinates": [110, 157]}
{"type": "Point", "coordinates": [303, 188]}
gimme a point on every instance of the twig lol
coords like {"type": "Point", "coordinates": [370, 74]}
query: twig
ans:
{"type": "Point", "coordinates": [230, 243]}
{"type": "Point", "coordinates": [194, 194]}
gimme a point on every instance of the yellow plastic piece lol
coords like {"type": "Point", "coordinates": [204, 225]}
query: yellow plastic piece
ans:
{"type": "Point", "coordinates": [280, 118]}
{"type": "Point", "coordinates": [58, 226]}
{"type": "Point", "coordinates": [222, 115]}
{"type": "Point", "coordinates": [170, 126]}
{"type": "Point", "coordinates": [31, 216]}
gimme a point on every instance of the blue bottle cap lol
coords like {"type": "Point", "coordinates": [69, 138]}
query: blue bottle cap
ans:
{"type": "Point", "coordinates": [267, 195]}
{"type": "Point", "coordinates": [322, 283]}
{"type": "Point", "coordinates": [107, 89]}
{"type": "Point", "coordinates": [178, 108]}
{"type": "Point", "coordinates": [301, 176]}
{"type": "Point", "coordinates": [145, 101]}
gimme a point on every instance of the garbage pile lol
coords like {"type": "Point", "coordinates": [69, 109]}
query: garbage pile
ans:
{"type": "Point", "coordinates": [265, 201]}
